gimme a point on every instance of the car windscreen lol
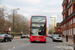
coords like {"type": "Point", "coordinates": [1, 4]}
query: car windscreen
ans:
{"type": "Point", "coordinates": [38, 31]}
{"type": "Point", "coordinates": [38, 19]}
{"type": "Point", "coordinates": [57, 36]}
{"type": "Point", "coordinates": [9, 35]}
{"type": "Point", "coordinates": [1, 35]}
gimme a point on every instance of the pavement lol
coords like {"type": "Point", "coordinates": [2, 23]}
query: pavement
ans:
{"type": "Point", "coordinates": [69, 43]}
{"type": "Point", "coordinates": [17, 37]}
{"type": "Point", "coordinates": [24, 44]}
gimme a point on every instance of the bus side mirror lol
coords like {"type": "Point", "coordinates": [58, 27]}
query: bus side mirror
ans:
{"type": "Point", "coordinates": [46, 29]}
{"type": "Point", "coordinates": [29, 29]}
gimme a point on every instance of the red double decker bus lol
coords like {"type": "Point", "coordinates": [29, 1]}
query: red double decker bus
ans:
{"type": "Point", "coordinates": [38, 28]}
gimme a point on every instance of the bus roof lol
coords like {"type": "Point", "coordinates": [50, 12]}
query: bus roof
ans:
{"type": "Point", "coordinates": [38, 15]}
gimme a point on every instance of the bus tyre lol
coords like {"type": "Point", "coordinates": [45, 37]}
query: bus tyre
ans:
{"type": "Point", "coordinates": [10, 40]}
{"type": "Point", "coordinates": [5, 40]}
{"type": "Point", "coordinates": [31, 41]}
{"type": "Point", "coordinates": [44, 42]}
{"type": "Point", "coordinates": [2, 41]}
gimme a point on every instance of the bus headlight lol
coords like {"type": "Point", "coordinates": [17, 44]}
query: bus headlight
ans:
{"type": "Point", "coordinates": [44, 37]}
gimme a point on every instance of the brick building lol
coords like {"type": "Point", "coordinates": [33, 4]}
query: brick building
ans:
{"type": "Point", "coordinates": [68, 23]}
{"type": "Point", "coordinates": [58, 28]}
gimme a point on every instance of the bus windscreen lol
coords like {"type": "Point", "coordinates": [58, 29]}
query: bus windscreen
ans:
{"type": "Point", "coordinates": [38, 31]}
{"type": "Point", "coordinates": [38, 19]}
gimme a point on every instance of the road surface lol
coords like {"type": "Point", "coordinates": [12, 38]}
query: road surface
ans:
{"type": "Point", "coordinates": [25, 44]}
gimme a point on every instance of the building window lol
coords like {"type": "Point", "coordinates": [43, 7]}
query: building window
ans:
{"type": "Point", "coordinates": [67, 32]}
{"type": "Point", "coordinates": [73, 20]}
{"type": "Point", "coordinates": [64, 32]}
{"type": "Point", "coordinates": [71, 31]}
{"type": "Point", "coordinates": [69, 0]}
{"type": "Point", "coordinates": [71, 9]}
{"type": "Point", "coordinates": [62, 26]}
{"type": "Point", "coordinates": [74, 30]}
{"type": "Point", "coordinates": [69, 22]}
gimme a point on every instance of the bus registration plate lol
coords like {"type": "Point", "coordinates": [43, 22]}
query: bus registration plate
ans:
{"type": "Point", "coordinates": [37, 40]}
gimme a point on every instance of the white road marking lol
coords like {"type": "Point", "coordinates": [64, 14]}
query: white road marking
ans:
{"type": "Point", "coordinates": [19, 46]}
{"type": "Point", "coordinates": [22, 44]}
{"type": "Point", "coordinates": [10, 49]}
{"type": "Point", "coordinates": [65, 46]}
{"type": "Point", "coordinates": [61, 45]}
{"type": "Point", "coordinates": [28, 43]}
{"type": "Point", "coordinates": [13, 47]}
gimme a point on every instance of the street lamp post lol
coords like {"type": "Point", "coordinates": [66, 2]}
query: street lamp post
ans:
{"type": "Point", "coordinates": [13, 20]}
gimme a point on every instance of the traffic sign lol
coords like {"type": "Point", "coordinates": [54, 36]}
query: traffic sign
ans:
{"type": "Point", "coordinates": [10, 29]}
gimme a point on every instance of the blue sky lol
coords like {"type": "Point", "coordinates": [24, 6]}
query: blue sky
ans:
{"type": "Point", "coordinates": [36, 7]}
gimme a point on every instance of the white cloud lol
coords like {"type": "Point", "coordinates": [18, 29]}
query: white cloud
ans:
{"type": "Point", "coordinates": [36, 7]}
{"type": "Point", "coordinates": [29, 1]}
{"type": "Point", "coordinates": [53, 3]}
{"type": "Point", "coordinates": [54, 15]}
{"type": "Point", "coordinates": [29, 9]}
{"type": "Point", "coordinates": [26, 15]}
{"type": "Point", "coordinates": [8, 6]}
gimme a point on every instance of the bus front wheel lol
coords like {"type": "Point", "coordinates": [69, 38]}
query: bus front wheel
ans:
{"type": "Point", "coordinates": [31, 41]}
{"type": "Point", "coordinates": [44, 42]}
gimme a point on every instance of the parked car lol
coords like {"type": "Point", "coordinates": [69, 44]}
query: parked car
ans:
{"type": "Point", "coordinates": [50, 36]}
{"type": "Point", "coordinates": [10, 36]}
{"type": "Point", "coordinates": [28, 36]}
{"type": "Point", "coordinates": [23, 36]}
{"type": "Point", "coordinates": [5, 38]}
{"type": "Point", "coordinates": [56, 37]}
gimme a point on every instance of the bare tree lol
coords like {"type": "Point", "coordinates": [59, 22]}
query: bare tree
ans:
{"type": "Point", "coordinates": [2, 19]}
{"type": "Point", "coordinates": [20, 23]}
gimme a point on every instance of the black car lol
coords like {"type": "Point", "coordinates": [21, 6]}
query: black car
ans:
{"type": "Point", "coordinates": [5, 38]}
